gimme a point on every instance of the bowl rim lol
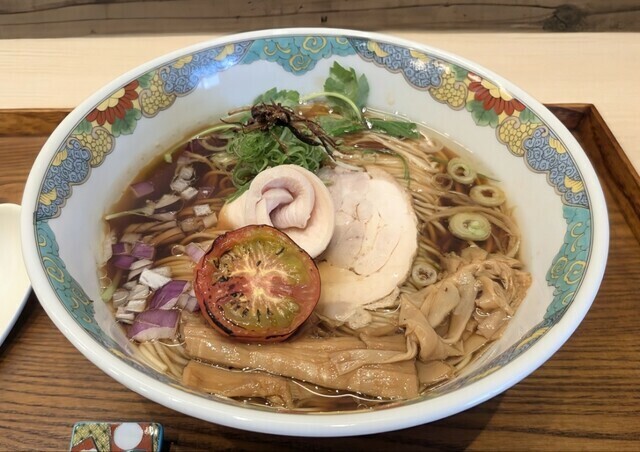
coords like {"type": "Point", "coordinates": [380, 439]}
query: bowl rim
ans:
{"type": "Point", "coordinates": [334, 424]}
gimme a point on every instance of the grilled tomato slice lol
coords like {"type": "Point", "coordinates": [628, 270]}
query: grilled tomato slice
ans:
{"type": "Point", "coordinates": [256, 284]}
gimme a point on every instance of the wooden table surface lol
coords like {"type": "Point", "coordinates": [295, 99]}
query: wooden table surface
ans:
{"type": "Point", "coordinates": [586, 397]}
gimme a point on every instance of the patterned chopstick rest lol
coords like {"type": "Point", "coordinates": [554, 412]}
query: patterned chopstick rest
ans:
{"type": "Point", "coordinates": [116, 437]}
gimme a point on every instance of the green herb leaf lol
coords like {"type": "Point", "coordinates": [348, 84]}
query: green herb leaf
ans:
{"type": "Point", "coordinates": [338, 126]}
{"type": "Point", "coordinates": [286, 98]}
{"type": "Point", "coordinates": [345, 81]}
{"type": "Point", "coordinates": [399, 129]}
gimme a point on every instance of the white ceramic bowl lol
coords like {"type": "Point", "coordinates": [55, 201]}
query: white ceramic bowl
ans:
{"type": "Point", "coordinates": [103, 143]}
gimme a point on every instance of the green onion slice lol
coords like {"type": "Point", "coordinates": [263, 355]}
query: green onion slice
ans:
{"type": "Point", "coordinates": [487, 195]}
{"type": "Point", "coordinates": [470, 226]}
{"type": "Point", "coordinates": [460, 171]}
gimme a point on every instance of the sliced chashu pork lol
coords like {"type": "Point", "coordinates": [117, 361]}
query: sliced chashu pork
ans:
{"type": "Point", "coordinates": [373, 245]}
{"type": "Point", "coordinates": [290, 198]}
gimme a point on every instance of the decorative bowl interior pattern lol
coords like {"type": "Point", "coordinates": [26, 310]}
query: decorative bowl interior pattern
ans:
{"type": "Point", "coordinates": [101, 145]}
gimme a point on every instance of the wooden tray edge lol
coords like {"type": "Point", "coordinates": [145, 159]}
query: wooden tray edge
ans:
{"type": "Point", "coordinates": [612, 165]}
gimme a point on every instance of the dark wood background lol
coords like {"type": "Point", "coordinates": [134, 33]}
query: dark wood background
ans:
{"type": "Point", "coordinates": [64, 18]}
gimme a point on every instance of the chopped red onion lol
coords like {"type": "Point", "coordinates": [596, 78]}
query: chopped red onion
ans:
{"type": "Point", "coordinates": [195, 252]}
{"type": "Point", "coordinates": [153, 279]}
{"type": "Point", "coordinates": [179, 185]}
{"type": "Point", "coordinates": [137, 268]}
{"type": "Point", "coordinates": [210, 220]}
{"type": "Point", "coordinates": [124, 316]}
{"type": "Point", "coordinates": [186, 173]}
{"type": "Point", "coordinates": [182, 300]}
{"type": "Point", "coordinates": [142, 189]}
{"type": "Point", "coordinates": [188, 302]}
{"type": "Point", "coordinates": [138, 305]}
{"type": "Point", "coordinates": [143, 250]}
{"type": "Point", "coordinates": [191, 304]}
{"type": "Point", "coordinates": [167, 296]}
{"type": "Point", "coordinates": [189, 193]}
{"type": "Point", "coordinates": [202, 210]}
{"type": "Point", "coordinates": [190, 224]}
{"type": "Point", "coordinates": [154, 324]}
{"type": "Point", "coordinates": [139, 292]}
{"type": "Point", "coordinates": [123, 261]}
{"type": "Point", "coordinates": [120, 248]}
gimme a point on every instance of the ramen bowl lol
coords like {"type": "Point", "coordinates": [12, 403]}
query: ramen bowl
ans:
{"type": "Point", "coordinates": [109, 138]}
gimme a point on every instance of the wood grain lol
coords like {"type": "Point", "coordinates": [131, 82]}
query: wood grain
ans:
{"type": "Point", "coordinates": [31, 122]}
{"type": "Point", "coordinates": [585, 398]}
{"type": "Point", "coordinates": [60, 18]}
